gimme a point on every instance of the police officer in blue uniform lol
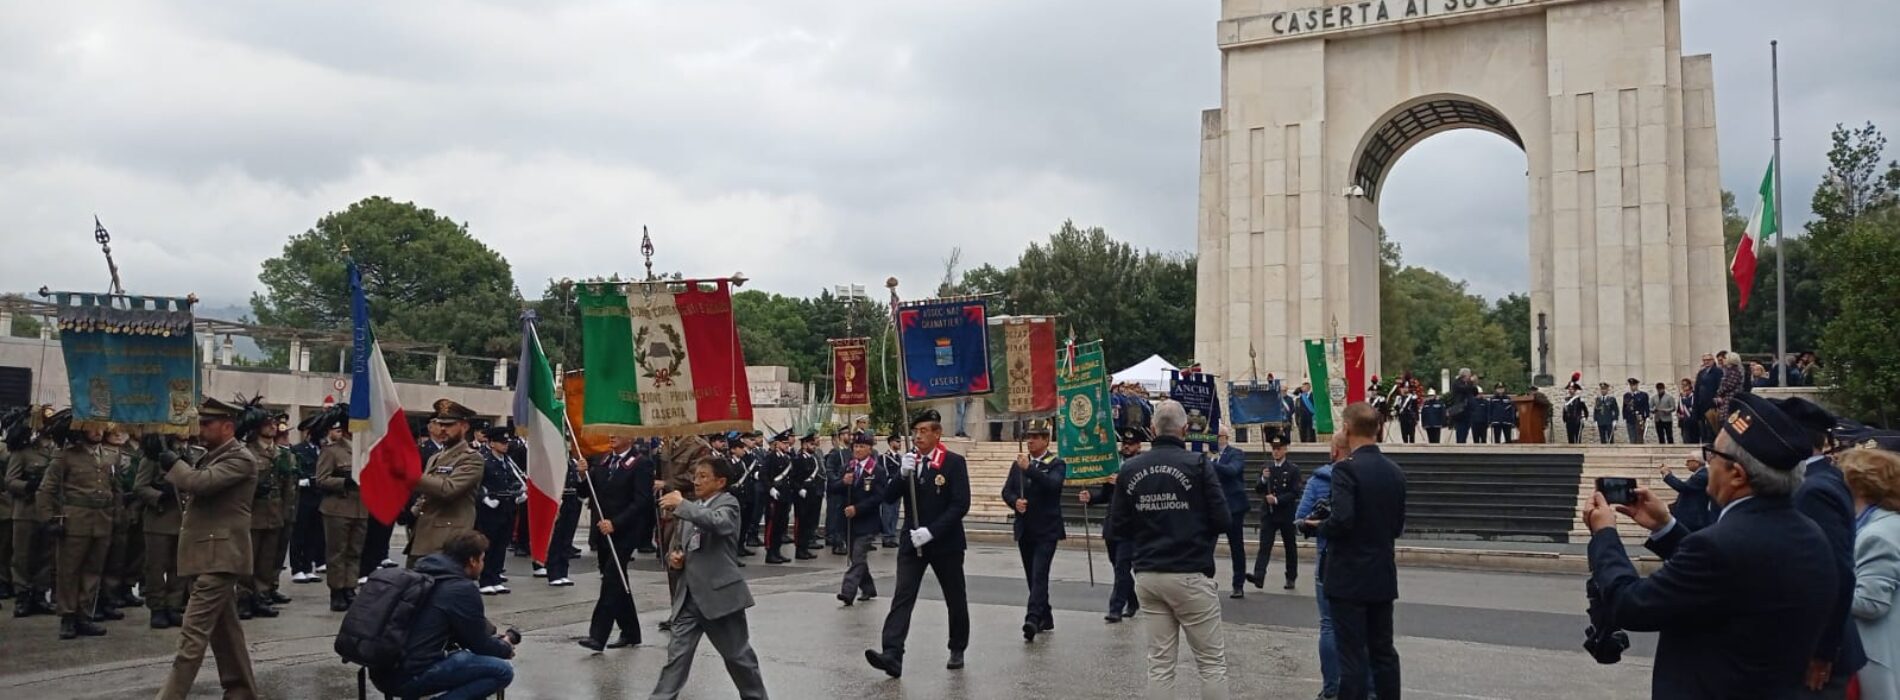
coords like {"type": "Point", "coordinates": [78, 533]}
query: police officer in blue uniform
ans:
{"type": "Point", "coordinates": [1033, 491]}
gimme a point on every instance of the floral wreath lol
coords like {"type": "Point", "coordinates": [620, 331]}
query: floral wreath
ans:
{"type": "Point", "coordinates": [661, 376]}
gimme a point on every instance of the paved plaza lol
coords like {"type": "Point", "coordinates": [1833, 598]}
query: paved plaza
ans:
{"type": "Point", "coordinates": [1462, 635]}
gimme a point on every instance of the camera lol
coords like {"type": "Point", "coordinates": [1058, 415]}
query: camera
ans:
{"type": "Point", "coordinates": [1322, 509]}
{"type": "Point", "coordinates": [1617, 490]}
{"type": "Point", "coordinates": [513, 636]}
{"type": "Point", "coordinates": [1602, 639]}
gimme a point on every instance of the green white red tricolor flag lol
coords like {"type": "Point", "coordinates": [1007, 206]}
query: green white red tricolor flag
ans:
{"type": "Point", "coordinates": [1763, 225]}
{"type": "Point", "coordinates": [662, 358]}
{"type": "Point", "coordinates": [541, 421]}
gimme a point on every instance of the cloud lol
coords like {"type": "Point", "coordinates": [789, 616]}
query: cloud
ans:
{"type": "Point", "coordinates": [806, 144]}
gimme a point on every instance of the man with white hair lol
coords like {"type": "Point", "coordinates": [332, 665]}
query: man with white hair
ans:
{"type": "Point", "coordinates": [1169, 506]}
{"type": "Point", "coordinates": [1741, 603]}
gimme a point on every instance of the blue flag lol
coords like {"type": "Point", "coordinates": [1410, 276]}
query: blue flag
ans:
{"type": "Point", "coordinates": [946, 348]}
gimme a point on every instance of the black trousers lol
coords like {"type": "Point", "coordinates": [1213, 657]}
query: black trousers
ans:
{"type": "Point", "coordinates": [1264, 557]}
{"type": "Point", "coordinates": [1307, 432]}
{"type": "Point", "coordinates": [778, 515]}
{"type": "Point", "coordinates": [1431, 434]}
{"type": "Point", "coordinates": [1606, 433]}
{"type": "Point", "coordinates": [1237, 545]}
{"type": "Point", "coordinates": [1665, 433]}
{"type": "Point", "coordinates": [306, 535]}
{"type": "Point", "coordinates": [520, 539]}
{"type": "Point", "coordinates": [375, 547]}
{"type": "Point", "coordinates": [751, 508]}
{"type": "Point", "coordinates": [565, 524]}
{"type": "Point", "coordinates": [497, 523]}
{"type": "Point", "coordinates": [1121, 597]}
{"type": "Point", "coordinates": [615, 605]}
{"type": "Point", "coordinates": [1573, 431]}
{"type": "Point", "coordinates": [1362, 635]}
{"type": "Point", "coordinates": [1500, 434]}
{"type": "Point", "coordinates": [1408, 429]}
{"type": "Point", "coordinates": [1037, 555]}
{"type": "Point", "coordinates": [807, 510]}
{"type": "Point", "coordinates": [948, 565]}
{"type": "Point", "coordinates": [1461, 429]}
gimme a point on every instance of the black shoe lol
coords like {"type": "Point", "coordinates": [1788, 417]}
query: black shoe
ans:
{"type": "Point", "coordinates": [666, 625]}
{"type": "Point", "coordinates": [132, 600]}
{"type": "Point", "coordinates": [754, 541]}
{"type": "Point", "coordinates": [888, 665]}
{"type": "Point", "coordinates": [890, 544]}
{"type": "Point", "coordinates": [160, 620]}
{"type": "Point", "coordinates": [245, 609]}
{"type": "Point", "coordinates": [1112, 618]}
{"type": "Point", "coordinates": [624, 641]}
{"type": "Point", "coordinates": [1289, 585]}
{"type": "Point", "coordinates": [775, 558]}
{"type": "Point", "coordinates": [838, 551]}
{"type": "Point", "coordinates": [262, 609]}
{"type": "Point", "coordinates": [1258, 580]}
{"type": "Point", "coordinates": [867, 596]}
{"type": "Point", "coordinates": [68, 627]}
{"type": "Point", "coordinates": [1029, 631]}
{"type": "Point", "coordinates": [955, 662]}
{"type": "Point", "coordinates": [277, 598]}
{"type": "Point", "coordinates": [847, 600]}
{"type": "Point", "coordinates": [803, 555]}
{"type": "Point", "coordinates": [339, 602]}
{"type": "Point", "coordinates": [747, 552]}
{"type": "Point", "coordinates": [6, 590]}
{"type": "Point", "coordinates": [646, 549]}
{"type": "Point", "coordinates": [1048, 625]}
{"type": "Point", "coordinates": [593, 644]}
{"type": "Point", "coordinates": [87, 629]}
{"type": "Point", "coordinates": [1238, 593]}
{"type": "Point", "coordinates": [23, 610]}
{"type": "Point", "coordinates": [107, 613]}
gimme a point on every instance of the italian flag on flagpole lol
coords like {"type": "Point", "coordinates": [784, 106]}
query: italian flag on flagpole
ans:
{"type": "Point", "coordinates": [541, 422]}
{"type": "Point", "coordinates": [1762, 226]}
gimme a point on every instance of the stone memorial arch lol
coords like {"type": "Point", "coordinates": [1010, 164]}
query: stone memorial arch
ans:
{"type": "Point", "coordinates": [1618, 130]}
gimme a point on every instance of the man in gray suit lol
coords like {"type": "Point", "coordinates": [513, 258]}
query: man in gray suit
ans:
{"type": "Point", "coordinates": [714, 595]}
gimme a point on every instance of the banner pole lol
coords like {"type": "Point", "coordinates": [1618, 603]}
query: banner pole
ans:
{"type": "Point", "coordinates": [903, 394]}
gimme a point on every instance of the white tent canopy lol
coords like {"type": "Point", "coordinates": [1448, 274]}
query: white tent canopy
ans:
{"type": "Point", "coordinates": [1151, 374]}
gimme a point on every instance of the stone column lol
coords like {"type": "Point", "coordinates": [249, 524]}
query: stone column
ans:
{"type": "Point", "coordinates": [501, 373]}
{"type": "Point", "coordinates": [296, 354]}
{"type": "Point", "coordinates": [442, 366]}
{"type": "Point", "coordinates": [6, 324]}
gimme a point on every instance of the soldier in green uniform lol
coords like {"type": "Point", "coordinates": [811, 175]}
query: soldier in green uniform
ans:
{"type": "Point", "coordinates": [345, 518]}
{"type": "Point", "coordinates": [449, 485]}
{"type": "Point", "coordinates": [290, 474]}
{"type": "Point", "coordinates": [14, 434]}
{"type": "Point", "coordinates": [32, 563]}
{"type": "Point", "coordinates": [275, 473]}
{"type": "Point", "coordinates": [164, 589]}
{"type": "Point", "coordinates": [125, 555]}
{"type": "Point", "coordinates": [214, 544]}
{"type": "Point", "coordinates": [78, 500]}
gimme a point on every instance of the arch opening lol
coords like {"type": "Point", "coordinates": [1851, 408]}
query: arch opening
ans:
{"type": "Point", "coordinates": [1410, 125]}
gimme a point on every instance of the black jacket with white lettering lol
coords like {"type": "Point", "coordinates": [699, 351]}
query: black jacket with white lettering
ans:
{"type": "Point", "coordinates": [1169, 505]}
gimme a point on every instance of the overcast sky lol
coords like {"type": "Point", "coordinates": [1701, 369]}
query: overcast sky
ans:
{"type": "Point", "coordinates": [805, 143]}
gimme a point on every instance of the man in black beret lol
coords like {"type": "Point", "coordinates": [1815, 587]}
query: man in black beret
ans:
{"type": "Point", "coordinates": [934, 484]}
{"type": "Point", "coordinates": [1823, 497]}
{"type": "Point", "coordinates": [1741, 604]}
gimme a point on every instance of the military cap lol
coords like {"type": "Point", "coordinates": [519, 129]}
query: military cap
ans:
{"type": "Point", "coordinates": [784, 436]}
{"type": "Point", "coordinates": [810, 436]}
{"type": "Point", "coordinates": [328, 419]}
{"type": "Point", "coordinates": [1633, 381]}
{"type": "Point", "coordinates": [210, 409]}
{"type": "Point", "coordinates": [1039, 426]}
{"type": "Point", "coordinates": [1766, 432]}
{"type": "Point", "coordinates": [1807, 413]}
{"type": "Point", "coordinates": [928, 415]}
{"type": "Point", "coordinates": [309, 422]}
{"type": "Point", "coordinates": [450, 411]}
{"type": "Point", "coordinates": [503, 433]}
{"type": "Point", "coordinates": [717, 437]}
{"type": "Point", "coordinates": [1133, 435]}
{"type": "Point", "coordinates": [864, 439]}
{"type": "Point", "coordinates": [1278, 441]}
{"type": "Point", "coordinates": [894, 438]}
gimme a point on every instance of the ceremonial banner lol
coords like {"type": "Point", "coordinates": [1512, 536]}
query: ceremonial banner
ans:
{"type": "Point", "coordinates": [1084, 435]}
{"type": "Point", "coordinates": [946, 348]}
{"type": "Point", "coordinates": [130, 362]}
{"type": "Point", "coordinates": [1354, 348]}
{"type": "Point", "coordinates": [1195, 391]}
{"type": "Point", "coordinates": [1255, 403]}
{"type": "Point", "coordinates": [1322, 400]}
{"type": "Point", "coordinates": [1023, 366]}
{"type": "Point", "coordinates": [573, 394]}
{"type": "Point", "coordinates": [850, 374]}
{"type": "Point", "coordinates": [662, 359]}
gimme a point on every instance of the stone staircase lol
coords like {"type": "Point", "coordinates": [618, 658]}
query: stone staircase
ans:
{"type": "Point", "coordinates": [1502, 493]}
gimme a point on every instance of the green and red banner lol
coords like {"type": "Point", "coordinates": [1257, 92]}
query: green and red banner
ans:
{"type": "Point", "coordinates": [851, 374]}
{"type": "Point", "coordinates": [662, 359]}
{"type": "Point", "coordinates": [1023, 365]}
{"type": "Point", "coordinates": [1321, 397]}
{"type": "Point", "coordinates": [1354, 348]}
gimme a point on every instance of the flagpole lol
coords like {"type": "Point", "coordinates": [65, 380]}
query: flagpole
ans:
{"type": "Point", "coordinates": [1781, 254]}
{"type": "Point", "coordinates": [903, 393]}
{"type": "Point", "coordinates": [572, 439]}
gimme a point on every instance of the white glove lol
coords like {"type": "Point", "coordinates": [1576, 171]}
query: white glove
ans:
{"type": "Point", "coordinates": [801, 493]}
{"type": "Point", "coordinates": [521, 498]}
{"type": "Point", "coordinates": [774, 494]}
{"type": "Point", "coordinates": [910, 465]}
{"type": "Point", "coordinates": [492, 503]}
{"type": "Point", "coordinates": [303, 483]}
{"type": "Point", "coordinates": [919, 537]}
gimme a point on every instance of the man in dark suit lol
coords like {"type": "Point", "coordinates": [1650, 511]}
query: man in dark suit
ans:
{"type": "Point", "coordinates": [1823, 497]}
{"type": "Point", "coordinates": [1360, 569]}
{"type": "Point", "coordinates": [934, 484]}
{"type": "Point", "coordinates": [777, 491]}
{"type": "Point", "coordinates": [622, 497]}
{"type": "Point", "coordinates": [859, 493]}
{"type": "Point", "coordinates": [1033, 490]}
{"type": "Point", "coordinates": [835, 459]}
{"type": "Point", "coordinates": [808, 489]}
{"type": "Point", "coordinates": [1279, 488]}
{"type": "Point", "coordinates": [1692, 494]}
{"type": "Point", "coordinates": [1740, 603]}
{"type": "Point", "coordinates": [1708, 380]}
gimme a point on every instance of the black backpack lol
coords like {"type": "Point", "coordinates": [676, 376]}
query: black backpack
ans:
{"type": "Point", "coordinates": [375, 631]}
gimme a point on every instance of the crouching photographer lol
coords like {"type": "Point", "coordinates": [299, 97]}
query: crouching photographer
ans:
{"type": "Point", "coordinates": [446, 644]}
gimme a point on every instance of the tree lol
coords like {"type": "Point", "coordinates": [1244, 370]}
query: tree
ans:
{"type": "Point", "coordinates": [1861, 359]}
{"type": "Point", "coordinates": [1856, 183]}
{"type": "Point", "coordinates": [1429, 322]}
{"type": "Point", "coordinates": [426, 278]}
{"type": "Point", "coordinates": [1512, 315]}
